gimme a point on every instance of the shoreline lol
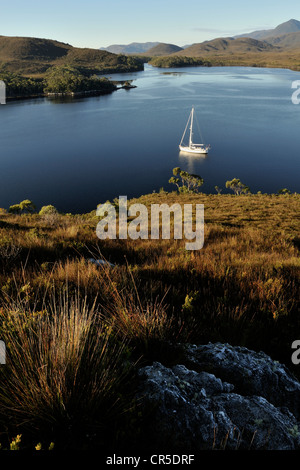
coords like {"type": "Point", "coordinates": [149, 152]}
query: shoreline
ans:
{"type": "Point", "coordinates": [77, 94]}
{"type": "Point", "coordinates": [91, 93]}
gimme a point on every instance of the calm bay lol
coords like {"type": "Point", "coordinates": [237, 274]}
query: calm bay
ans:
{"type": "Point", "coordinates": [77, 153]}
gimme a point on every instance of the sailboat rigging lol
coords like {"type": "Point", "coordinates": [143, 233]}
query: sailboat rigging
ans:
{"type": "Point", "coordinates": [192, 147]}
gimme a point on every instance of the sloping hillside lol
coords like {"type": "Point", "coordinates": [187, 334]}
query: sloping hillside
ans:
{"type": "Point", "coordinates": [227, 45]}
{"type": "Point", "coordinates": [286, 41]}
{"type": "Point", "coordinates": [34, 56]}
{"type": "Point", "coordinates": [31, 48]}
{"type": "Point", "coordinates": [163, 49]}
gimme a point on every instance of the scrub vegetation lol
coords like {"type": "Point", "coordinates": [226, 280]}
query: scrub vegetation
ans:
{"type": "Point", "coordinates": [76, 332]}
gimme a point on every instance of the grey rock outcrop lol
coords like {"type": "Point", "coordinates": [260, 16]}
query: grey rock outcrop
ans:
{"type": "Point", "coordinates": [251, 373]}
{"type": "Point", "coordinates": [223, 397]}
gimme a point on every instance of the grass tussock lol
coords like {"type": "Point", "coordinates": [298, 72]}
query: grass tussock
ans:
{"type": "Point", "coordinates": [63, 369]}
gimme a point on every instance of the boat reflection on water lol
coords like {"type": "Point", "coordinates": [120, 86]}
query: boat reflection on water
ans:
{"type": "Point", "coordinates": [189, 160]}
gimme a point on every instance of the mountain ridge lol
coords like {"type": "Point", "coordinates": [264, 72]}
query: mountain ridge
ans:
{"type": "Point", "coordinates": [290, 26]}
{"type": "Point", "coordinates": [229, 44]}
{"type": "Point", "coordinates": [132, 48]}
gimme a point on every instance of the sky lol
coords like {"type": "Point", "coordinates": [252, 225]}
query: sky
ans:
{"type": "Point", "coordinates": [96, 24]}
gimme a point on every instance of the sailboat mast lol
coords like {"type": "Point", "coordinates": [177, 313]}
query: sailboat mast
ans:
{"type": "Point", "coordinates": [191, 128]}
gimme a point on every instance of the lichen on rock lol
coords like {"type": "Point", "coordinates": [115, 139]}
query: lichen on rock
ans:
{"type": "Point", "coordinates": [223, 397]}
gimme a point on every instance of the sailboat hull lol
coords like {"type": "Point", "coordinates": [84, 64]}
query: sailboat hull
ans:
{"type": "Point", "coordinates": [195, 150]}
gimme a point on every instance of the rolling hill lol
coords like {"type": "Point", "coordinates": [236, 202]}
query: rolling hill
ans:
{"type": "Point", "coordinates": [163, 49]}
{"type": "Point", "coordinates": [34, 56]}
{"type": "Point", "coordinates": [227, 45]}
{"type": "Point", "coordinates": [31, 48]}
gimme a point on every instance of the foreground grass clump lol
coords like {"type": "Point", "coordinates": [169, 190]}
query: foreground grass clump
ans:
{"type": "Point", "coordinates": [63, 368]}
{"type": "Point", "coordinates": [66, 321]}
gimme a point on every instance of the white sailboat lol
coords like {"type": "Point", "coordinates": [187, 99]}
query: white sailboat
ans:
{"type": "Point", "coordinates": [192, 147]}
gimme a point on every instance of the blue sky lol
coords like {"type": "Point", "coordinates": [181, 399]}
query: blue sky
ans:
{"type": "Point", "coordinates": [100, 23]}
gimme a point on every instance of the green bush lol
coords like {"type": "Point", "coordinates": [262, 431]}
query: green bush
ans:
{"type": "Point", "coordinates": [48, 210]}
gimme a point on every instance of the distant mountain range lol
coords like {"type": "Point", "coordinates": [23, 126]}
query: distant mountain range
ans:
{"type": "Point", "coordinates": [284, 36]}
{"type": "Point", "coordinates": [291, 26]}
{"type": "Point", "coordinates": [143, 47]}
{"type": "Point", "coordinates": [132, 48]}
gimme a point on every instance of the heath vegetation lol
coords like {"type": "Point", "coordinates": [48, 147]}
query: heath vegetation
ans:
{"type": "Point", "coordinates": [75, 332]}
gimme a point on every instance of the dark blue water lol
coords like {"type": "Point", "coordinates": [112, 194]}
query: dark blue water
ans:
{"type": "Point", "coordinates": [80, 153]}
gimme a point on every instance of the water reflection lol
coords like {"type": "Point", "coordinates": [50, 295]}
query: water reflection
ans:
{"type": "Point", "coordinates": [173, 74]}
{"type": "Point", "coordinates": [189, 160]}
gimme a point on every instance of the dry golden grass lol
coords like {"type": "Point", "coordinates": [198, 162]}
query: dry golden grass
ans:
{"type": "Point", "coordinates": [63, 368]}
{"type": "Point", "coordinates": [65, 320]}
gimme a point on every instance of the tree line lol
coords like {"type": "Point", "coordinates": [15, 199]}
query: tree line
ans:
{"type": "Point", "coordinates": [58, 79]}
{"type": "Point", "coordinates": [190, 183]}
{"type": "Point", "coordinates": [185, 182]}
{"type": "Point", "coordinates": [17, 85]}
{"type": "Point", "coordinates": [178, 61]}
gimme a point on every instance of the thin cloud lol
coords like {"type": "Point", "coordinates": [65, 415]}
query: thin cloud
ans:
{"type": "Point", "coordinates": [211, 30]}
{"type": "Point", "coordinates": [231, 31]}
{"type": "Point", "coordinates": [259, 28]}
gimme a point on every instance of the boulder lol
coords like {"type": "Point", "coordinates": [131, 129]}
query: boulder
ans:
{"type": "Point", "coordinates": [251, 373]}
{"type": "Point", "coordinates": [223, 397]}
